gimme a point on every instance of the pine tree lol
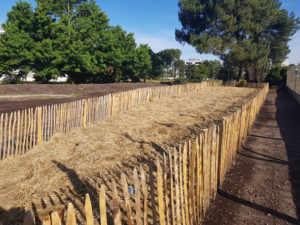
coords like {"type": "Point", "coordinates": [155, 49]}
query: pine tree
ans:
{"type": "Point", "coordinates": [245, 33]}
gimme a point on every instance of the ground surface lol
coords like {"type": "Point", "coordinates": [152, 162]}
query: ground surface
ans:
{"type": "Point", "coordinates": [16, 97]}
{"type": "Point", "coordinates": [263, 187]}
{"type": "Point", "coordinates": [71, 165]}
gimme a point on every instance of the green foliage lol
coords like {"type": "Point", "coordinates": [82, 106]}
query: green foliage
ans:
{"type": "Point", "coordinates": [69, 37]}
{"type": "Point", "coordinates": [181, 67]}
{"type": "Point", "coordinates": [241, 83]}
{"type": "Point", "coordinates": [142, 62]}
{"type": "Point", "coordinates": [169, 57]}
{"type": "Point", "coordinates": [247, 34]}
{"type": "Point", "coordinates": [214, 67]}
{"type": "Point", "coordinates": [196, 72]}
{"type": "Point", "coordinates": [277, 76]}
{"type": "Point", "coordinates": [157, 70]}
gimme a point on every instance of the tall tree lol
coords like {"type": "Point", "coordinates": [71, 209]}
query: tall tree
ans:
{"type": "Point", "coordinates": [180, 66]}
{"type": "Point", "coordinates": [214, 67]}
{"type": "Point", "coordinates": [69, 37]}
{"type": "Point", "coordinates": [169, 57]}
{"type": "Point", "coordinates": [157, 65]}
{"type": "Point", "coordinates": [241, 32]}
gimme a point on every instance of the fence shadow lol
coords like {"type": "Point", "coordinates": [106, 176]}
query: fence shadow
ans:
{"type": "Point", "coordinates": [288, 118]}
{"type": "Point", "coordinates": [255, 206]}
{"type": "Point", "coordinates": [249, 153]}
{"type": "Point", "coordinates": [11, 216]}
{"type": "Point", "coordinates": [80, 188]}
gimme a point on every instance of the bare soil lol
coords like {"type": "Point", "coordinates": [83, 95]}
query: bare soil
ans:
{"type": "Point", "coordinates": [70, 165]}
{"type": "Point", "coordinates": [263, 187]}
{"type": "Point", "coordinates": [16, 97]}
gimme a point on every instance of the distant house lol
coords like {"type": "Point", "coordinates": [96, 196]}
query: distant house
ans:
{"type": "Point", "coordinates": [1, 31]}
{"type": "Point", "coordinates": [285, 63]}
{"type": "Point", "coordinates": [193, 61]}
{"type": "Point", "coordinates": [30, 78]}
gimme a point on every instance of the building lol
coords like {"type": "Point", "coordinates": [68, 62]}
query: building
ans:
{"type": "Point", "coordinates": [193, 61]}
{"type": "Point", "coordinates": [285, 63]}
{"type": "Point", "coordinates": [30, 78]}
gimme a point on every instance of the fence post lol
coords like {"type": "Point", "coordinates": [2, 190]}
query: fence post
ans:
{"type": "Point", "coordinates": [84, 115]}
{"type": "Point", "coordinates": [71, 219]}
{"type": "Point", "coordinates": [39, 126]}
{"type": "Point", "coordinates": [160, 194]}
{"type": "Point", "coordinates": [28, 219]}
{"type": "Point", "coordinates": [102, 206]}
{"type": "Point", "coordinates": [88, 210]}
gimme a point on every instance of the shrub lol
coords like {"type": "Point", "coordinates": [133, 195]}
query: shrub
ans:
{"type": "Point", "coordinates": [277, 76]}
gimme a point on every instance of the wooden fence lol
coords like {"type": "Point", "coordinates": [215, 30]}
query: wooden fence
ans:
{"type": "Point", "coordinates": [293, 81]}
{"type": "Point", "coordinates": [175, 189]}
{"type": "Point", "coordinates": [20, 131]}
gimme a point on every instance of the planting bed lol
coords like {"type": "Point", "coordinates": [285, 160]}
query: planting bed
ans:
{"type": "Point", "coordinates": [70, 165]}
{"type": "Point", "coordinates": [16, 97]}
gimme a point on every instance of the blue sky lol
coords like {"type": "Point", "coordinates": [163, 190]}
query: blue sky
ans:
{"type": "Point", "coordinates": [154, 23]}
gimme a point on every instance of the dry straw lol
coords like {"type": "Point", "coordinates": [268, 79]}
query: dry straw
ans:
{"type": "Point", "coordinates": [39, 124]}
{"type": "Point", "coordinates": [78, 162]}
{"type": "Point", "coordinates": [201, 165]}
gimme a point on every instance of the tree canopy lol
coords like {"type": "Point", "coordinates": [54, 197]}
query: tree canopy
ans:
{"type": "Point", "coordinates": [69, 37]}
{"type": "Point", "coordinates": [169, 57]}
{"type": "Point", "coordinates": [250, 35]}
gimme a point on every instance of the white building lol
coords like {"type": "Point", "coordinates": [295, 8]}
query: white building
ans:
{"type": "Point", "coordinates": [193, 61]}
{"type": "Point", "coordinates": [285, 63]}
{"type": "Point", "coordinates": [30, 78]}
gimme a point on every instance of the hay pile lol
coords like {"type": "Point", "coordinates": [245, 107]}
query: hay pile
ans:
{"type": "Point", "coordinates": [71, 164]}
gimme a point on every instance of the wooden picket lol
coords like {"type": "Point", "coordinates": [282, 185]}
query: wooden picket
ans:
{"type": "Point", "coordinates": [166, 169]}
{"type": "Point", "coordinates": [293, 81]}
{"type": "Point", "coordinates": [102, 206]}
{"type": "Point", "coordinates": [145, 194]}
{"type": "Point", "coordinates": [22, 130]}
{"type": "Point", "coordinates": [138, 219]}
{"type": "Point", "coordinates": [181, 190]}
{"type": "Point", "coordinates": [127, 200]}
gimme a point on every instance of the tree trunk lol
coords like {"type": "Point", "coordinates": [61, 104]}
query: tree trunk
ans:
{"type": "Point", "coordinates": [240, 73]}
{"type": "Point", "coordinates": [256, 75]}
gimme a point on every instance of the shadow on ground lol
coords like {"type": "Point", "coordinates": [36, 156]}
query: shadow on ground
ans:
{"type": "Point", "coordinates": [288, 118]}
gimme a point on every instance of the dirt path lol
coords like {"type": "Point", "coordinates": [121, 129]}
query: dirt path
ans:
{"type": "Point", "coordinates": [263, 187]}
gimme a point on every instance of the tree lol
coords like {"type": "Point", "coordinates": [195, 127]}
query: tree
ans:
{"type": "Point", "coordinates": [142, 62]}
{"type": "Point", "coordinates": [181, 67]}
{"type": "Point", "coordinates": [244, 33]}
{"type": "Point", "coordinates": [196, 72]}
{"type": "Point", "coordinates": [214, 67]}
{"type": "Point", "coordinates": [277, 76]}
{"type": "Point", "coordinates": [69, 37]}
{"type": "Point", "coordinates": [16, 43]}
{"type": "Point", "coordinates": [169, 57]}
{"type": "Point", "coordinates": [157, 62]}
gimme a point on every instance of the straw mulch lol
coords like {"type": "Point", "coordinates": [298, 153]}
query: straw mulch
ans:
{"type": "Point", "coordinates": [70, 165]}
